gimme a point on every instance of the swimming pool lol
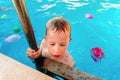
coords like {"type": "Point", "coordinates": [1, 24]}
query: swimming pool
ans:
{"type": "Point", "coordinates": [103, 31]}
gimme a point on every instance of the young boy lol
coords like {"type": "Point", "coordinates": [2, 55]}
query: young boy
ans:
{"type": "Point", "coordinates": [55, 43]}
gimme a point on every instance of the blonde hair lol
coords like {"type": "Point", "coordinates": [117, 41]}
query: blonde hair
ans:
{"type": "Point", "coordinates": [58, 24]}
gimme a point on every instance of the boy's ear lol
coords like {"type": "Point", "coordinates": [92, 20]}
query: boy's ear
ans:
{"type": "Point", "coordinates": [70, 38]}
{"type": "Point", "coordinates": [45, 38]}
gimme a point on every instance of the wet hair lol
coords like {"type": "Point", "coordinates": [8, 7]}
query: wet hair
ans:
{"type": "Point", "coordinates": [58, 24]}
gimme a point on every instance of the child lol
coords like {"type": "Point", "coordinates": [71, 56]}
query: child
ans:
{"type": "Point", "coordinates": [55, 43]}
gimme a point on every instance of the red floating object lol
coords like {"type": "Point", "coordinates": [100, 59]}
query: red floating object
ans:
{"type": "Point", "coordinates": [97, 54]}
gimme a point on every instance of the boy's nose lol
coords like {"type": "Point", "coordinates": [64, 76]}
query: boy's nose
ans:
{"type": "Point", "coordinates": [57, 52]}
{"type": "Point", "coordinates": [56, 49]}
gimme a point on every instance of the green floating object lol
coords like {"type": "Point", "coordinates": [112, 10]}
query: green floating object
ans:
{"type": "Point", "coordinates": [16, 29]}
{"type": "Point", "coordinates": [4, 16]}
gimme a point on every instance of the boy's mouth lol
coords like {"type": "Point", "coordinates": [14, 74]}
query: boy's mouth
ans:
{"type": "Point", "coordinates": [56, 56]}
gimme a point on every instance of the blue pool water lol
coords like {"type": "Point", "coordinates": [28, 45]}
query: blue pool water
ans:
{"type": "Point", "coordinates": [101, 31]}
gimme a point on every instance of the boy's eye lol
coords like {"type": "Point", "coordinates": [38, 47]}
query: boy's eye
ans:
{"type": "Point", "coordinates": [52, 44]}
{"type": "Point", "coordinates": [63, 45]}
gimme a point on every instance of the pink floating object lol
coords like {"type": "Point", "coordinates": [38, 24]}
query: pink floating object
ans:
{"type": "Point", "coordinates": [12, 38]}
{"type": "Point", "coordinates": [97, 54]}
{"type": "Point", "coordinates": [89, 16]}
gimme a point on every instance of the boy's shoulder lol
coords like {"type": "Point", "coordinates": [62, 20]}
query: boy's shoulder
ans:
{"type": "Point", "coordinates": [70, 59]}
{"type": "Point", "coordinates": [43, 42]}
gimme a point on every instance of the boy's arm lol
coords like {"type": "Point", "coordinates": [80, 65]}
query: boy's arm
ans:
{"type": "Point", "coordinates": [35, 54]}
{"type": "Point", "coordinates": [40, 59]}
{"type": "Point", "coordinates": [41, 49]}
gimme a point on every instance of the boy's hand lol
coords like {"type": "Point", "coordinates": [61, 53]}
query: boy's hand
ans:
{"type": "Point", "coordinates": [32, 54]}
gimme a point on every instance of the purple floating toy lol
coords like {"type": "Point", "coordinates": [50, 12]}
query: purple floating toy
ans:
{"type": "Point", "coordinates": [89, 16]}
{"type": "Point", "coordinates": [12, 38]}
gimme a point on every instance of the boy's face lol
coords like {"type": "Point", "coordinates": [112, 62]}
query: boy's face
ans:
{"type": "Point", "coordinates": [57, 43]}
